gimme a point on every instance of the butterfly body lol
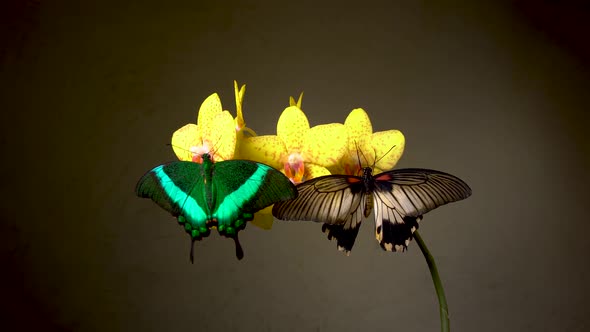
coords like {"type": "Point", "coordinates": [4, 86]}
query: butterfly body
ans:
{"type": "Point", "coordinates": [399, 198]}
{"type": "Point", "coordinates": [223, 195]}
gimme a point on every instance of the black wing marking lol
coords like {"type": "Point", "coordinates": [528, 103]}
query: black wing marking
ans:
{"type": "Point", "coordinates": [344, 237]}
{"type": "Point", "coordinates": [403, 196]}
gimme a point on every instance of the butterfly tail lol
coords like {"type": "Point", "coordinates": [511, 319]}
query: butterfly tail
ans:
{"type": "Point", "coordinates": [239, 250]}
{"type": "Point", "coordinates": [192, 253]}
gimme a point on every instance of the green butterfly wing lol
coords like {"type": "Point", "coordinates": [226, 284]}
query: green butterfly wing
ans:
{"type": "Point", "coordinates": [178, 188]}
{"type": "Point", "coordinates": [242, 187]}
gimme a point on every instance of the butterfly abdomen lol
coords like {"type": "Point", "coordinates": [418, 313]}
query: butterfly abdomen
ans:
{"type": "Point", "coordinates": [369, 186]}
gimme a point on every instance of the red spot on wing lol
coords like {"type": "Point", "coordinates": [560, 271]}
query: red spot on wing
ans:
{"type": "Point", "coordinates": [384, 177]}
{"type": "Point", "coordinates": [353, 179]}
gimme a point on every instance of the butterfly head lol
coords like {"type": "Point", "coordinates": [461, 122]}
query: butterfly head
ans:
{"type": "Point", "coordinates": [367, 172]}
{"type": "Point", "coordinates": [363, 164]}
{"type": "Point", "coordinates": [199, 153]}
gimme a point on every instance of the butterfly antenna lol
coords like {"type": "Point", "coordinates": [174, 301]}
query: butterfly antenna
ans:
{"type": "Point", "coordinates": [383, 156]}
{"type": "Point", "coordinates": [239, 251]}
{"type": "Point", "coordinates": [192, 251]}
{"type": "Point", "coordinates": [365, 157]}
{"type": "Point", "coordinates": [213, 150]}
{"type": "Point", "coordinates": [178, 147]}
{"type": "Point", "coordinates": [358, 157]}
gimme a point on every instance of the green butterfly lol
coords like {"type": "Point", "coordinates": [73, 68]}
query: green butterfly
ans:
{"type": "Point", "coordinates": [223, 195]}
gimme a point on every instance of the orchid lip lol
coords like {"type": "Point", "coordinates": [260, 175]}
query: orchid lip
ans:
{"type": "Point", "coordinates": [295, 168]}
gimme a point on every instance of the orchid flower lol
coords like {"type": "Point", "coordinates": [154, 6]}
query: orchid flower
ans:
{"type": "Point", "coordinates": [214, 133]}
{"type": "Point", "coordinates": [299, 151]}
{"type": "Point", "coordinates": [380, 150]}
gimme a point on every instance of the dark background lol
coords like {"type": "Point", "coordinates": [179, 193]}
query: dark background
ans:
{"type": "Point", "coordinates": [495, 93]}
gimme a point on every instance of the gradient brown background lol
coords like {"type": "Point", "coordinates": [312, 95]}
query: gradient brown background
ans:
{"type": "Point", "coordinates": [496, 94]}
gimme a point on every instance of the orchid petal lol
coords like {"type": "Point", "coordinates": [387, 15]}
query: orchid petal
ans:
{"type": "Point", "coordinates": [209, 110]}
{"type": "Point", "coordinates": [359, 128]}
{"type": "Point", "coordinates": [389, 147]}
{"type": "Point", "coordinates": [220, 136]}
{"type": "Point", "coordinates": [184, 138]}
{"type": "Point", "coordinates": [298, 103]}
{"type": "Point", "coordinates": [325, 145]}
{"type": "Point", "coordinates": [239, 94]}
{"type": "Point", "coordinates": [292, 127]}
{"type": "Point", "coordinates": [267, 149]}
{"type": "Point", "coordinates": [313, 171]}
{"type": "Point", "coordinates": [263, 218]}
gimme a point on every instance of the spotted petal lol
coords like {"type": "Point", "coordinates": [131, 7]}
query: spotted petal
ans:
{"type": "Point", "coordinates": [359, 128]}
{"type": "Point", "coordinates": [389, 146]}
{"type": "Point", "coordinates": [292, 127]}
{"type": "Point", "coordinates": [314, 171]}
{"type": "Point", "coordinates": [209, 110]}
{"type": "Point", "coordinates": [184, 138]}
{"type": "Point", "coordinates": [325, 145]}
{"type": "Point", "coordinates": [220, 136]}
{"type": "Point", "coordinates": [267, 149]}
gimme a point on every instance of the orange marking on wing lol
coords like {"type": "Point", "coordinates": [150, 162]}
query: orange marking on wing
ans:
{"type": "Point", "coordinates": [384, 177]}
{"type": "Point", "coordinates": [353, 180]}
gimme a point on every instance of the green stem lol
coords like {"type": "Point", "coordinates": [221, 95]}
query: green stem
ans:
{"type": "Point", "coordinates": [440, 292]}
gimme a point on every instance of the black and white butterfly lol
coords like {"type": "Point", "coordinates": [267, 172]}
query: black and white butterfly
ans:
{"type": "Point", "coordinates": [399, 197]}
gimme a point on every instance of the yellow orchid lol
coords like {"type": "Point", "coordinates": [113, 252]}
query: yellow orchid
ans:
{"type": "Point", "coordinates": [299, 151]}
{"type": "Point", "coordinates": [381, 150]}
{"type": "Point", "coordinates": [212, 130]}
{"type": "Point", "coordinates": [214, 133]}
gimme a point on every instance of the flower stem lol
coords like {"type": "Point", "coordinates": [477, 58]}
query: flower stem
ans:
{"type": "Point", "coordinates": [440, 292]}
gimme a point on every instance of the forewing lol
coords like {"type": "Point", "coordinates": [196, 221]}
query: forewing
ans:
{"type": "Point", "coordinates": [416, 191]}
{"type": "Point", "coordinates": [332, 199]}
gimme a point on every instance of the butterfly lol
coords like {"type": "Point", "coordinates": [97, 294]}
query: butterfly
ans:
{"type": "Point", "coordinates": [223, 195]}
{"type": "Point", "coordinates": [399, 197]}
